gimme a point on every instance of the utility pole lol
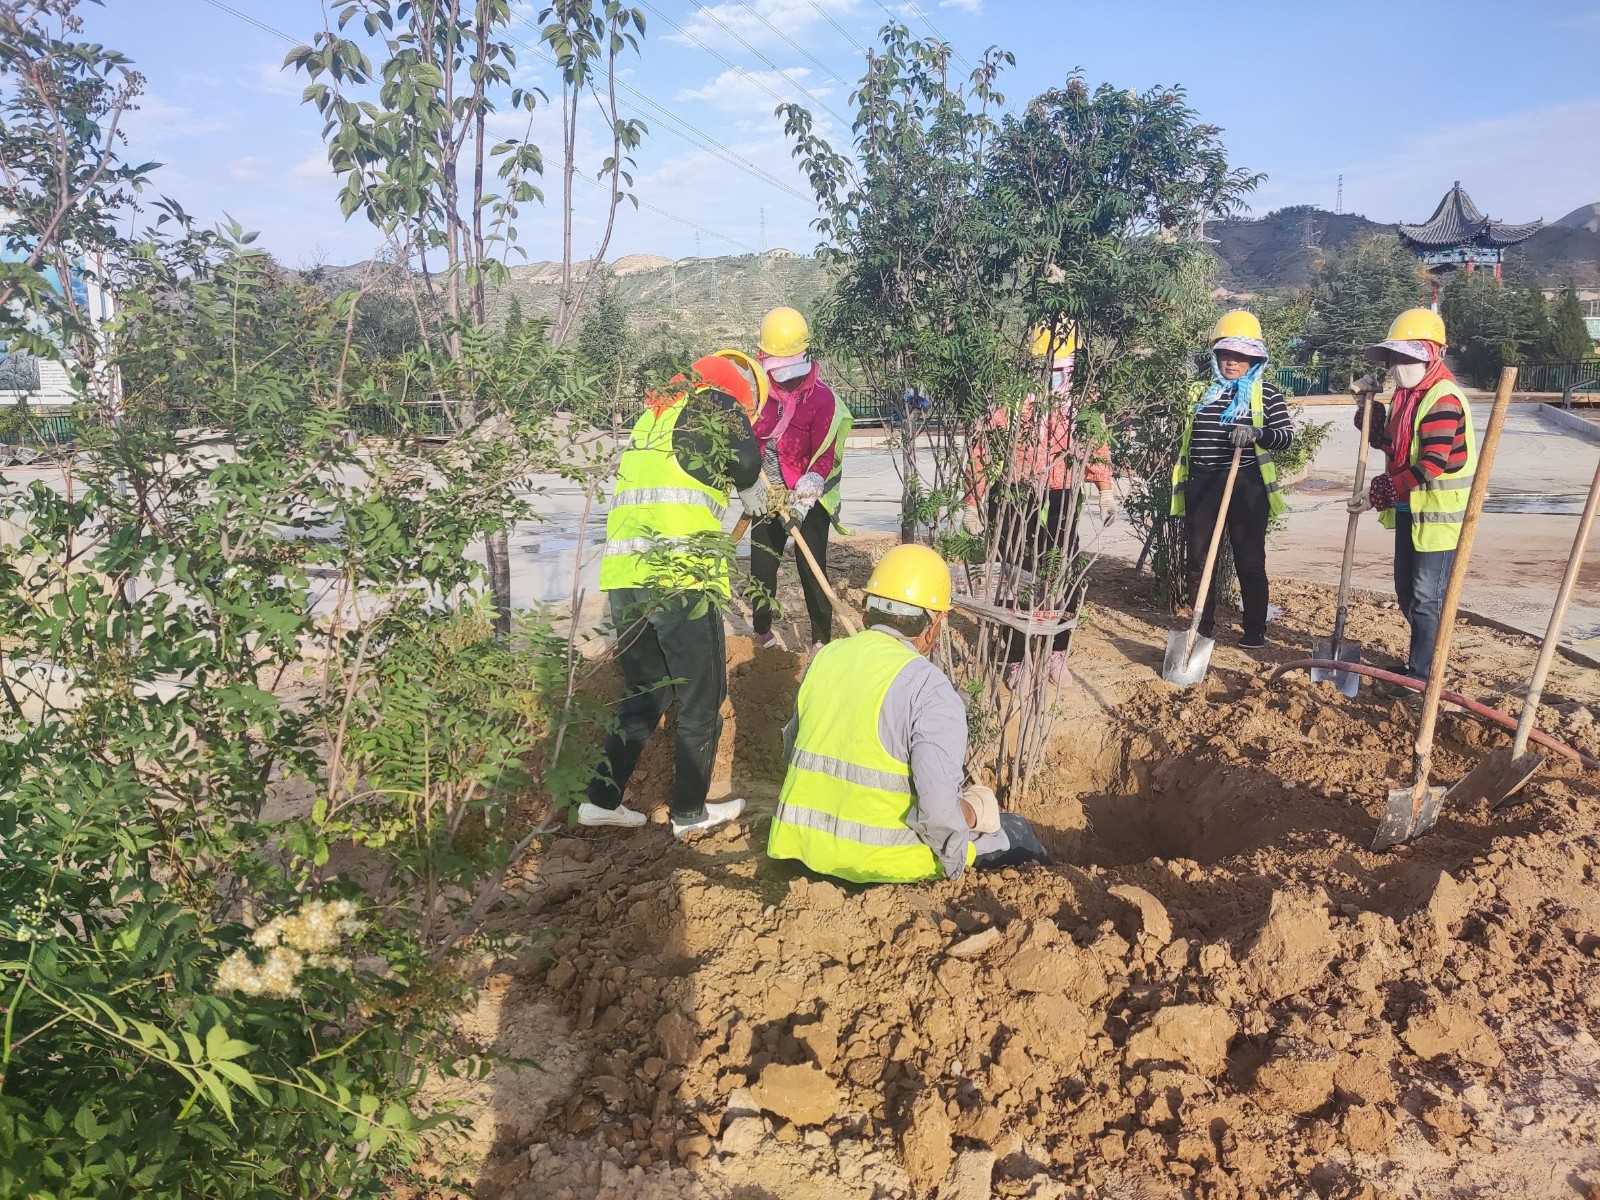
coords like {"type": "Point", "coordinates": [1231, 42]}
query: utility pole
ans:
{"type": "Point", "coordinates": [1338, 204]}
{"type": "Point", "coordinates": [763, 231]}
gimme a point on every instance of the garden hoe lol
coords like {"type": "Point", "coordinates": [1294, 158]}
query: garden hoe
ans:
{"type": "Point", "coordinates": [1189, 654]}
{"type": "Point", "coordinates": [1337, 649]}
{"type": "Point", "coordinates": [1505, 772]}
{"type": "Point", "coordinates": [1411, 811]}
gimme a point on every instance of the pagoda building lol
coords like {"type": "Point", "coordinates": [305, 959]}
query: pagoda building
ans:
{"type": "Point", "coordinates": [1458, 235]}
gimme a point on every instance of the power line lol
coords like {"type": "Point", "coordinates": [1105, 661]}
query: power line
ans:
{"type": "Point", "coordinates": [708, 14]}
{"type": "Point", "coordinates": [832, 74]}
{"type": "Point", "coordinates": [928, 21]}
{"type": "Point", "coordinates": [843, 32]}
{"type": "Point", "coordinates": [731, 65]}
{"type": "Point", "coordinates": [249, 20]}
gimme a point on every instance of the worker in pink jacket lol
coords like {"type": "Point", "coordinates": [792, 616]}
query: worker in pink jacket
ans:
{"type": "Point", "coordinates": [802, 433]}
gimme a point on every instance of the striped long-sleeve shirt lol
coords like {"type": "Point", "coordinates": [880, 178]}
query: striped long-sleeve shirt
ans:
{"type": "Point", "coordinates": [1444, 443]}
{"type": "Point", "coordinates": [1209, 446]}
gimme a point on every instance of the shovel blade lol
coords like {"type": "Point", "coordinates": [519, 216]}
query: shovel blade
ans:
{"type": "Point", "coordinates": [1347, 682]}
{"type": "Point", "coordinates": [1496, 778]}
{"type": "Point", "coordinates": [1190, 670]}
{"type": "Point", "coordinates": [1403, 820]}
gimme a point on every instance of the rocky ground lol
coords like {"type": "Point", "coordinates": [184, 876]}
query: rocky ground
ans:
{"type": "Point", "coordinates": [1219, 991]}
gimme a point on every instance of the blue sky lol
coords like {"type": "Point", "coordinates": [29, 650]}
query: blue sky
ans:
{"type": "Point", "coordinates": [1401, 101]}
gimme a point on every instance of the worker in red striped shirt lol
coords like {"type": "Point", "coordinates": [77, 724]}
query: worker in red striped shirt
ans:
{"type": "Point", "coordinates": [1432, 451]}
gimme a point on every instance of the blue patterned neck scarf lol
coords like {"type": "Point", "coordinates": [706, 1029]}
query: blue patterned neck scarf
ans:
{"type": "Point", "coordinates": [1239, 406]}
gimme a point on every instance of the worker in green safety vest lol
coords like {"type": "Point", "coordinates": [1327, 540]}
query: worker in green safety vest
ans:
{"type": "Point", "coordinates": [1426, 431]}
{"type": "Point", "coordinates": [666, 582]}
{"type": "Point", "coordinates": [874, 791]}
{"type": "Point", "coordinates": [1237, 410]}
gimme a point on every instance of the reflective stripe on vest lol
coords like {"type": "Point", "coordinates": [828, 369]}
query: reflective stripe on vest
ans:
{"type": "Point", "coordinates": [1439, 506]}
{"type": "Point", "coordinates": [845, 798]}
{"type": "Point", "coordinates": [1269, 469]}
{"type": "Point", "coordinates": [657, 503]}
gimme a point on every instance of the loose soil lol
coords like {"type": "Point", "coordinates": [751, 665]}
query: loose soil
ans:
{"type": "Point", "coordinates": [1219, 991]}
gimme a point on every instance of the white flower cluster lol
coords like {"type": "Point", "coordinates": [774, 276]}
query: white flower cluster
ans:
{"type": "Point", "coordinates": [28, 922]}
{"type": "Point", "coordinates": [291, 943]}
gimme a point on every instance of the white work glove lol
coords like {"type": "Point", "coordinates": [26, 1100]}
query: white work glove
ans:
{"type": "Point", "coordinates": [985, 808]}
{"type": "Point", "coordinates": [1366, 386]}
{"type": "Point", "coordinates": [1244, 435]}
{"type": "Point", "coordinates": [1358, 504]}
{"type": "Point", "coordinates": [807, 491]}
{"type": "Point", "coordinates": [1108, 507]}
{"type": "Point", "coordinates": [972, 521]}
{"type": "Point", "coordinates": [757, 499]}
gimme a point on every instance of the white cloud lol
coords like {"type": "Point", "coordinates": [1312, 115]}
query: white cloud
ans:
{"type": "Point", "coordinates": [741, 91]}
{"type": "Point", "coordinates": [772, 23]}
{"type": "Point", "coordinates": [1538, 163]}
{"type": "Point", "coordinates": [311, 169]}
{"type": "Point", "coordinates": [276, 78]}
{"type": "Point", "coordinates": [155, 122]}
{"type": "Point", "coordinates": [966, 6]}
{"type": "Point", "coordinates": [247, 169]}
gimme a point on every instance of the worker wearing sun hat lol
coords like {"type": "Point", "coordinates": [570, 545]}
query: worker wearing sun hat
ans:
{"type": "Point", "coordinates": [876, 748]}
{"type": "Point", "coordinates": [1427, 433]}
{"type": "Point", "coordinates": [1238, 410]}
{"type": "Point", "coordinates": [802, 431]}
{"type": "Point", "coordinates": [690, 448]}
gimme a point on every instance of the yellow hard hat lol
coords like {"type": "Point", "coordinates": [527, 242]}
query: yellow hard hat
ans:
{"type": "Point", "coordinates": [912, 575]}
{"type": "Point", "coordinates": [784, 332]}
{"type": "Point", "coordinates": [1237, 324]}
{"type": "Point", "coordinates": [1065, 336]}
{"type": "Point", "coordinates": [1417, 325]}
{"type": "Point", "coordinates": [751, 370]}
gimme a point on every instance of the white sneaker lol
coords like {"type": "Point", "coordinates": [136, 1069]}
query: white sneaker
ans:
{"type": "Point", "coordinates": [719, 813]}
{"type": "Point", "coordinates": [593, 814]}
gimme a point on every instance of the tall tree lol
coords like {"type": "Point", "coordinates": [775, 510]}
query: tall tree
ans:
{"type": "Point", "coordinates": [588, 39]}
{"type": "Point", "coordinates": [1355, 293]}
{"type": "Point", "coordinates": [604, 339]}
{"type": "Point", "coordinates": [1569, 336]}
{"type": "Point", "coordinates": [418, 162]}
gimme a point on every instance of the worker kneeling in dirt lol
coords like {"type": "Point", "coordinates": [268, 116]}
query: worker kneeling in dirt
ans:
{"type": "Point", "coordinates": [873, 792]}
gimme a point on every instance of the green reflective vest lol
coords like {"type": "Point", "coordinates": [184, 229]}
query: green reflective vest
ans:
{"type": "Point", "coordinates": [844, 802]}
{"type": "Point", "coordinates": [1269, 469]}
{"type": "Point", "coordinates": [838, 430]}
{"type": "Point", "coordinates": [1438, 506]}
{"type": "Point", "coordinates": [657, 502]}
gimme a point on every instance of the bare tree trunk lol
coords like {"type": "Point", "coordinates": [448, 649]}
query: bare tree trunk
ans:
{"type": "Point", "coordinates": [497, 547]}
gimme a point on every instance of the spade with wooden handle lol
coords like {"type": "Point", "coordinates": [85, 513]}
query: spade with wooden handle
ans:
{"type": "Point", "coordinates": [1505, 772]}
{"type": "Point", "coordinates": [846, 617]}
{"type": "Point", "coordinates": [1188, 654]}
{"type": "Point", "coordinates": [1337, 649]}
{"type": "Point", "coordinates": [1412, 811]}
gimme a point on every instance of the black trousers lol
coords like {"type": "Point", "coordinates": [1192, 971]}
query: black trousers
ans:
{"type": "Point", "coordinates": [1248, 513]}
{"type": "Point", "coordinates": [665, 654]}
{"type": "Point", "coordinates": [768, 540]}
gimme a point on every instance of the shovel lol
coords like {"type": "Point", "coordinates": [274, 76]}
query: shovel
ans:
{"type": "Point", "coordinates": [1337, 649]}
{"type": "Point", "coordinates": [1189, 654]}
{"type": "Point", "coordinates": [1505, 772]}
{"type": "Point", "coordinates": [1412, 811]}
{"type": "Point", "coordinates": [846, 617]}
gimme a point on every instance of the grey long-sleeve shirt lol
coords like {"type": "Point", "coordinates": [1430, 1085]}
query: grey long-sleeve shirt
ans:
{"type": "Point", "coordinates": [924, 723]}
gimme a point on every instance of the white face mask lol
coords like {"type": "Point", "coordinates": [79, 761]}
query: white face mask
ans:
{"type": "Point", "coordinates": [1408, 374]}
{"type": "Point", "coordinates": [797, 370]}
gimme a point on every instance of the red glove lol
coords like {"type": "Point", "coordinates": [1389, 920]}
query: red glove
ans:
{"type": "Point", "coordinates": [1382, 493]}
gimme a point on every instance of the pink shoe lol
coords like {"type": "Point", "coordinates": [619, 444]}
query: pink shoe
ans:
{"type": "Point", "coordinates": [766, 641]}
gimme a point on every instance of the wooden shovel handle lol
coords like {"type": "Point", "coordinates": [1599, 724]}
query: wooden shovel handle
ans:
{"type": "Point", "coordinates": [1342, 613]}
{"type": "Point", "coordinates": [1558, 618]}
{"type": "Point", "coordinates": [1423, 758]}
{"type": "Point", "coordinates": [846, 617]}
{"type": "Point", "coordinates": [1211, 553]}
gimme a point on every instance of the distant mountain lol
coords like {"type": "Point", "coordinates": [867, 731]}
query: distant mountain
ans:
{"type": "Point", "coordinates": [1586, 217]}
{"type": "Point", "coordinates": [1279, 250]}
{"type": "Point", "coordinates": [701, 302]}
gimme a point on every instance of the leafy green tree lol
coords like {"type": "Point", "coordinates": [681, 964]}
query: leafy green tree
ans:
{"type": "Point", "coordinates": [514, 319]}
{"type": "Point", "coordinates": [1480, 322]}
{"type": "Point", "coordinates": [1355, 293]}
{"type": "Point", "coordinates": [1569, 336]}
{"type": "Point", "coordinates": [605, 340]}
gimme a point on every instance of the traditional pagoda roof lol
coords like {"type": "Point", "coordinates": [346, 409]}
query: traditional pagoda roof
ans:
{"type": "Point", "coordinates": [1458, 222]}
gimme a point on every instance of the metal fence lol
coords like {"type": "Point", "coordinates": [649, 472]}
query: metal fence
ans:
{"type": "Point", "coordinates": [1303, 381]}
{"type": "Point", "coordinates": [1557, 377]}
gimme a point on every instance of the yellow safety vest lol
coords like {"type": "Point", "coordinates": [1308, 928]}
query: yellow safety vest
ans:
{"type": "Point", "coordinates": [1438, 506]}
{"type": "Point", "coordinates": [1269, 469]}
{"type": "Point", "coordinates": [657, 502]}
{"type": "Point", "coordinates": [838, 431]}
{"type": "Point", "coordinates": [845, 798]}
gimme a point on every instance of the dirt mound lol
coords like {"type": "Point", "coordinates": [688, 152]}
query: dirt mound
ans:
{"type": "Point", "coordinates": [1220, 991]}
